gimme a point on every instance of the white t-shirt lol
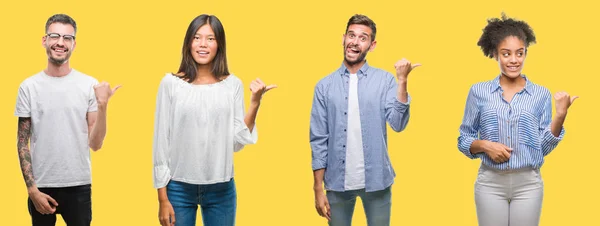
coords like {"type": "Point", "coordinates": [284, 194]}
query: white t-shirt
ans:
{"type": "Point", "coordinates": [197, 128]}
{"type": "Point", "coordinates": [58, 108]}
{"type": "Point", "coordinates": [355, 161]}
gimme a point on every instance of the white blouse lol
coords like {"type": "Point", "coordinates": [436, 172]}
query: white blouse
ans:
{"type": "Point", "coordinates": [197, 128]}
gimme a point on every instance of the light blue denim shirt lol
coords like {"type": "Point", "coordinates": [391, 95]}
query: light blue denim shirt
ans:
{"type": "Point", "coordinates": [523, 124]}
{"type": "Point", "coordinates": [378, 101]}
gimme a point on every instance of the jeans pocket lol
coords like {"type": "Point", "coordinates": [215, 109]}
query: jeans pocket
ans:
{"type": "Point", "coordinates": [481, 177]}
{"type": "Point", "coordinates": [538, 176]}
{"type": "Point", "coordinates": [481, 174]}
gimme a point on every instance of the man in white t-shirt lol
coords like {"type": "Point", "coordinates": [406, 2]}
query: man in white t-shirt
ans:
{"type": "Point", "coordinates": [348, 130]}
{"type": "Point", "coordinates": [62, 114]}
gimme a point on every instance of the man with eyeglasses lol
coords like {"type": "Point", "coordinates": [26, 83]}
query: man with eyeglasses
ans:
{"type": "Point", "coordinates": [62, 114]}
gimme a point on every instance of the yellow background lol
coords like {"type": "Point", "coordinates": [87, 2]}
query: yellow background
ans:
{"type": "Point", "coordinates": [293, 45]}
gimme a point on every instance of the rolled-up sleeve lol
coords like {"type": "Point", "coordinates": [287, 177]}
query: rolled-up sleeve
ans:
{"type": "Point", "coordinates": [396, 112]}
{"type": "Point", "coordinates": [319, 133]}
{"type": "Point", "coordinates": [92, 102]}
{"type": "Point", "coordinates": [469, 129]}
{"type": "Point", "coordinates": [549, 141]}
{"type": "Point", "coordinates": [23, 107]}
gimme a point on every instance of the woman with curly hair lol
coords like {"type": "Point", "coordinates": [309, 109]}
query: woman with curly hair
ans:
{"type": "Point", "coordinates": [508, 124]}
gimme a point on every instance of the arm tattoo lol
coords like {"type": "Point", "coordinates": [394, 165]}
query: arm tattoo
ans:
{"type": "Point", "coordinates": [23, 135]}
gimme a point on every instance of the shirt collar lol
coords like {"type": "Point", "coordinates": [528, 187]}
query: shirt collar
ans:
{"type": "Point", "coordinates": [361, 72]}
{"type": "Point", "coordinates": [496, 85]}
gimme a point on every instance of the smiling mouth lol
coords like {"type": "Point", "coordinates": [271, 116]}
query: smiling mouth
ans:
{"type": "Point", "coordinates": [513, 68]}
{"type": "Point", "coordinates": [59, 50]}
{"type": "Point", "coordinates": [202, 53]}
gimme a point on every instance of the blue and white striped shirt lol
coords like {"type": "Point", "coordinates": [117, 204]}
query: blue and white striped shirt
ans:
{"type": "Point", "coordinates": [523, 124]}
{"type": "Point", "coordinates": [378, 101]}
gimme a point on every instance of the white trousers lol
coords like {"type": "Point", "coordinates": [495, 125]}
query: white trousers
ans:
{"type": "Point", "coordinates": [509, 197]}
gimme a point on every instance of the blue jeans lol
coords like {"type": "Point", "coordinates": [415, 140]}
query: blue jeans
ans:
{"type": "Point", "coordinates": [217, 202]}
{"type": "Point", "coordinates": [377, 205]}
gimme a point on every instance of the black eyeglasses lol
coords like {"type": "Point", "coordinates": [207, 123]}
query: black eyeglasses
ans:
{"type": "Point", "coordinates": [56, 37]}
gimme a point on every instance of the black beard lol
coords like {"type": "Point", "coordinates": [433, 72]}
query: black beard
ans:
{"type": "Point", "coordinates": [57, 61]}
{"type": "Point", "coordinates": [358, 60]}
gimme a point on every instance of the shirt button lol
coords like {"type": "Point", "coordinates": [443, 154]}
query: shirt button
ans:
{"type": "Point", "coordinates": [343, 145]}
{"type": "Point", "coordinates": [345, 113]}
{"type": "Point", "coordinates": [346, 98]}
{"type": "Point", "coordinates": [344, 130]}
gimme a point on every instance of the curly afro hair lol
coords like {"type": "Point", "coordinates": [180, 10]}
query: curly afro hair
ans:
{"type": "Point", "coordinates": [498, 29]}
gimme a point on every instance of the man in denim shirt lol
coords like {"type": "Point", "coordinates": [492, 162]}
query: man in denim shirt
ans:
{"type": "Point", "coordinates": [348, 130]}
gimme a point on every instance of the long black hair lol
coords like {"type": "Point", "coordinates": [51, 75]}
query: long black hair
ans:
{"type": "Point", "coordinates": [188, 67]}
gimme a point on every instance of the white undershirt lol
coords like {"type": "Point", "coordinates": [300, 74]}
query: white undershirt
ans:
{"type": "Point", "coordinates": [355, 161]}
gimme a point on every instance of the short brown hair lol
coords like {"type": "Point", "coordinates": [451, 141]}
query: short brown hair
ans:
{"type": "Point", "coordinates": [363, 20]}
{"type": "Point", "coordinates": [63, 19]}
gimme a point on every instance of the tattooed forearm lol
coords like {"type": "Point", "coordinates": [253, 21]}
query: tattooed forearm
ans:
{"type": "Point", "coordinates": [23, 135]}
